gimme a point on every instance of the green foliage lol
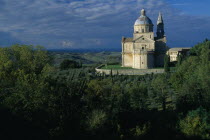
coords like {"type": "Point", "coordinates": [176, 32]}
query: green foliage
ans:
{"type": "Point", "coordinates": [179, 60]}
{"type": "Point", "coordinates": [26, 58]}
{"type": "Point", "coordinates": [96, 120]}
{"type": "Point", "coordinates": [196, 123]}
{"type": "Point", "coordinates": [22, 69]}
{"type": "Point", "coordinates": [138, 96]}
{"type": "Point", "coordinates": [161, 90]}
{"type": "Point", "coordinates": [140, 131]}
{"type": "Point", "coordinates": [166, 63]}
{"type": "Point", "coordinates": [192, 79]}
{"type": "Point", "coordinates": [196, 50]}
{"type": "Point", "coordinates": [80, 104]}
{"type": "Point", "coordinates": [67, 64]}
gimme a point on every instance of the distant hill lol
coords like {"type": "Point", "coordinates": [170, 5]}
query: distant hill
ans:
{"type": "Point", "coordinates": [86, 57]}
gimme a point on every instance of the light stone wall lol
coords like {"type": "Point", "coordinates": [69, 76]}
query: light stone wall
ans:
{"type": "Point", "coordinates": [136, 61]}
{"type": "Point", "coordinates": [143, 28]}
{"type": "Point", "coordinates": [128, 47]}
{"type": "Point", "coordinates": [175, 52]}
{"type": "Point", "coordinates": [144, 46]}
{"type": "Point", "coordinates": [127, 56]}
{"type": "Point", "coordinates": [128, 60]}
{"type": "Point", "coordinates": [135, 55]}
{"type": "Point", "coordinates": [130, 71]}
{"type": "Point", "coordinates": [143, 62]}
{"type": "Point", "coordinates": [173, 58]}
{"type": "Point", "coordinates": [173, 55]}
{"type": "Point", "coordinates": [148, 35]}
{"type": "Point", "coordinates": [140, 60]}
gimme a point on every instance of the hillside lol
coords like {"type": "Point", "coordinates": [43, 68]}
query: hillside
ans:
{"type": "Point", "coordinates": [87, 58]}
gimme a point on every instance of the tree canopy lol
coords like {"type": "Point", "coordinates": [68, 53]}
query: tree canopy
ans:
{"type": "Point", "coordinates": [41, 101]}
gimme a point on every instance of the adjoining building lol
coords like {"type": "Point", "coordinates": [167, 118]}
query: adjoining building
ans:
{"type": "Point", "coordinates": [175, 52]}
{"type": "Point", "coordinates": [144, 50]}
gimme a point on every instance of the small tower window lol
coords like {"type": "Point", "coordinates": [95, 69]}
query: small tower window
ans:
{"type": "Point", "coordinates": [142, 62]}
{"type": "Point", "coordinates": [142, 48]}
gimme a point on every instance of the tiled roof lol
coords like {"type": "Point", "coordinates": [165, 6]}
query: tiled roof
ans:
{"type": "Point", "coordinates": [127, 39]}
{"type": "Point", "coordinates": [179, 49]}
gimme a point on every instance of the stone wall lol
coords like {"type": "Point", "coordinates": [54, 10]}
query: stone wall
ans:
{"type": "Point", "coordinates": [127, 56]}
{"type": "Point", "coordinates": [159, 59]}
{"type": "Point", "coordinates": [150, 60]}
{"type": "Point", "coordinates": [127, 60]}
{"type": "Point", "coordinates": [129, 71]}
{"type": "Point", "coordinates": [145, 34]}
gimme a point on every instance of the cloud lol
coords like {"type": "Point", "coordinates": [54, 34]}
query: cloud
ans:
{"type": "Point", "coordinates": [180, 4]}
{"type": "Point", "coordinates": [92, 23]}
{"type": "Point", "coordinates": [67, 44]}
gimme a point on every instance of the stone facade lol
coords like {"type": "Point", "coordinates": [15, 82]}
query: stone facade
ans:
{"type": "Point", "coordinates": [175, 52]}
{"type": "Point", "coordinates": [143, 50]}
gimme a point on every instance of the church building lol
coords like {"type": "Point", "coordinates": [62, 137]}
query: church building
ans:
{"type": "Point", "coordinates": [144, 50]}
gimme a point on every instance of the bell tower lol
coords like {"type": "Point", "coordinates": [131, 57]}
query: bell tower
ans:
{"type": "Point", "coordinates": [160, 27]}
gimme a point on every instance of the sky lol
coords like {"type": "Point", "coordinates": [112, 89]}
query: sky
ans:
{"type": "Point", "coordinates": [94, 24]}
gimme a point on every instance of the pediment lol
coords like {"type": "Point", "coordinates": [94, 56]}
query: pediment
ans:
{"type": "Point", "coordinates": [143, 39]}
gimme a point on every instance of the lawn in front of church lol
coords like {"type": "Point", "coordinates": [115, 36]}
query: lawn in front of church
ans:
{"type": "Point", "coordinates": [114, 67]}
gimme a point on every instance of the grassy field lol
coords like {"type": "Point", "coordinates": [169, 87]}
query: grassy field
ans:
{"type": "Point", "coordinates": [119, 67]}
{"type": "Point", "coordinates": [115, 67]}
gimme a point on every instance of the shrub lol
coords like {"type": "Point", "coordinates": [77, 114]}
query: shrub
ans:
{"type": "Point", "coordinates": [196, 123]}
{"type": "Point", "coordinates": [66, 64]}
{"type": "Point", "coordinates": [140, 130]}
{"type": "Point", "coordinates": [96, 120]}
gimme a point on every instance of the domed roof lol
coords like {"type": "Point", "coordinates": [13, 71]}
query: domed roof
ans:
{"type": "Point", "coordinates": [143, 19]}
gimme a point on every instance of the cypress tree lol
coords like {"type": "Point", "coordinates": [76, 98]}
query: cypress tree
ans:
{"type": "Point", "coordinates": [179, 59]}
{"type": "Point", "coordinates": [166, 63]}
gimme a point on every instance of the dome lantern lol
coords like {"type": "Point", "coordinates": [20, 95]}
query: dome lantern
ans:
{"type": "Point", "coordinates": [143, 12]}
{"type": "Point", "coordinates": [143, 19]}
